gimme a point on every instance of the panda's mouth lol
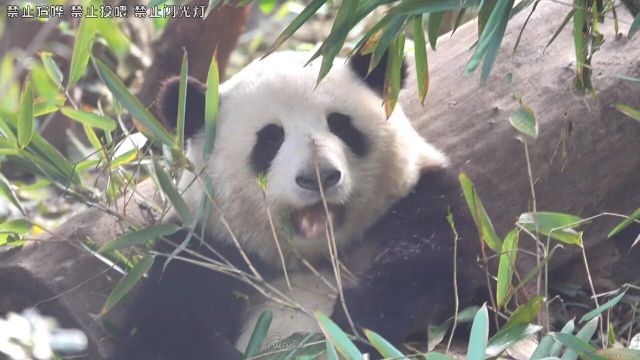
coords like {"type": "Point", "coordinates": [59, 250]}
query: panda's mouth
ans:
{"type": "Point", "coordinates": [311, 221]}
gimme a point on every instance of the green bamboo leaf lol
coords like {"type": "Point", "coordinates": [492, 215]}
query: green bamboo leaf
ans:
{"type": "Point", "coordinates": [564, 23]}
{"type": "Point", "coordinates": [116, 39]}
{"type": "Point", "coordinates": [259, 333]}
{"type": "Point", "coordinates": [435, 22]}
{"type": "Point", "coordinates": [337, 337]}
{"type": "Point", "coordinates": [479, 335]}
{"type": "Point", "coordinates": [18, 227]}
{"type": "Point", "coordinates": [393, 74]}
{"type": "Point", "coordinates": [132, 104]}
{"type": "Point", "coordinates": [124, 159]}
{"type": "Point", "coordinates": [556, 225]}
{"type": "Point", "coordinates": [138, 237]}
{"type": "Point", "coordinates": [437, 356]}
{"type": "Point", "coordinates": [506, 266]}
{"type": "Point", "coordinates": [526, 313]}
{"type": "Point", "coordinates": [623, 225]}
{"type": "Point", "coordinates": [524, 120]}
{"type": "Point", "coordinates": [25, 115]}
{"type": "Point", "coordinates": [51, 68]}
{"type": "Point", "coordinates": [576, 346]}
{"type": "Point", "coordinates": [182, 100]}
{"type": "Point", "coordinates": [422, 64]}
{"type": "Point", "coordinates": [491, 52]}
{"type": "Point", "coordinates": [543, 349]}
{"type": "Point", "coordinates": [635, 26]}
{"type": "Point", "coordinates": [458, 21]}
{"type": "Point", "coordinates": [388, 36]}
{"type": "Point", "coordinates": [127, 283]}
{"type": "Point", "coordinates": [479, 214]}
{"type": "Point", "coordinates": [90, 119]}
{"type": "Point", "coordinates": [557, 345]}
{"type": "Point", "coordinates": [174, 197]}
{"type": "Point", "coordinates": [85, 35]}
{"type": "Point", "coordinates": [331, 46]}
{"type": "Point", "coordinates": [416, 7]}
{"type": "Point", "coordinates": [211, 107]}
{"type": "Point", "coordinates": [575, 343]}
{"type": "Point", "coordinates": [294, 25]}
{"type": "Point", "coordinates": [629, 111]}
{"type": "Point", "coordinates": [331, 351]}
{"type": "Point", "coordinates": [6, 191]}
{"type": "Point", "coordinates": [619, 354]}
{"type": "Point", "coordinates": [383, 346]}
{"type": "Point", "coordinates": [604, 307]}
{"type": "Point", "coordinates": [44, 106]}
{"type": "Point", "coordinates": [95, 141]}
{"type": "Point", "coordinates": [485, 12]}
{"type": "Point", "coordinates": [436, 333]}
{"type": "Point", "coordinates": [506, 337]}
{"type": "Point", "coordinates": [580, 42]}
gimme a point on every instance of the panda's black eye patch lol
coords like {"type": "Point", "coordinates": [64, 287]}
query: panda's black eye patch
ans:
{"type": "Point", "coordinates": [268, 142]}
{"type": "Point", "coordinates": [340, 125]}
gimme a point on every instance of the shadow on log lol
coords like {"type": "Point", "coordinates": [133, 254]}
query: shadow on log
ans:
{"type": "Point", "coordinates": [584, 162]}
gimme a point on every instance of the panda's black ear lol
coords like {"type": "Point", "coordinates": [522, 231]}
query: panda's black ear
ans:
{"type": "Point", "coordinates": [167, 104]}
{"type": "Point", "coordinates": [360, 65]}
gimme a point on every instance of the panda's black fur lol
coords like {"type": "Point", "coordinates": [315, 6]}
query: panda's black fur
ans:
{"type": "Point", "coordinates": [189, 312]}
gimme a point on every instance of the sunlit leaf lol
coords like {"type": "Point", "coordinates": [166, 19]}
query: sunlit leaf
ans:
{"type": "Point", "coordinates": [85, 36]}
{"type": "Point", "coordinates": [139, 237]}
{"type": "Point", "coordinates": [182, 100]}
{"type": "Point", "coordinates": [557, 225]}
{"type": "Point", "coordinates": [629, 111]}
{"type": "Point", "coordinates": [337, 337]}
{"type": "Point", "coordinates": [131, 103]}
{"type": "Point", "coordinates": [52, 69]}
{"type": "Point", "coordinates": [25, 116]}
{"type": "Point", "coordinates": [127, 283]}
{"type": "Point", "coordinates": [383, 346]}
{"type": "Point", "coordinates": [211, 106]}
{"type": "Point", "coordinates": [89, 118]}
{"type": "Point", "coordinates": [506, 266]}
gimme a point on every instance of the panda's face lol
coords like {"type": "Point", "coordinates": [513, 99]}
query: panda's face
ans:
{"type": "Point", "coordinates": [306, 143]}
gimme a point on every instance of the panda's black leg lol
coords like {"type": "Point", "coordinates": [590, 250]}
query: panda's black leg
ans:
{"type": "Point", "coordinates": [187, 312]}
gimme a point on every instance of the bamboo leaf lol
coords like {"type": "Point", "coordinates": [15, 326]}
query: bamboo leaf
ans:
{"type": "Point", "coordinates": [619, 354]}
{"type": "Point", "coordinates": [339, 31]}
{"type": "Point", "coordinates": [176, 200]}
{"type": "Point", "coordinates": [625, 223]}
{"type": "Point", "coordinates": [132, 104]}
{"type": "Point", "coordinates": [543, 349]}
{"type": "Point", "coordinates": [259, 333]}
{"type": "Point", "coordinates": [527, 312]}
{"type": "Point", "coordinates": [182, 100]}
{"type": "Point", "coordinates": [89, 118]}
{"type": "Point", "coordinates": [524, 120]}
{"type": "Point", "coordinates": [506, 266]}
{"type": "Point", "coordinates": [25, 115]}
{"type": "Point", "coordinates": [422, 64]}
{"type": "Point", "coordinates": [557, 345]}
{"type": "Point", "coordinates": [580, 41]}
{"type": "Point", "coordinates": [602, 308]}
{"type": "Point", "coordinates": [6, 191]}
{"type": "Point", "coordinates": [383, 346]}
{"type": "Point", "coordinates": [479, 214]}
{"type": "Point", "coordinates": [629, 111]}
{"type": "Point", "coordinates": [565, 21]}
{"type": "Point", "coordinates": [85, 35]}
{"type": "Point", "coordinates": [211, 106]}
{"type": "Point", "coordinates": [295, 24]}
{"type": "Point", "coordinates": [127, 283]}
{"type": "Point", "coordinates": [576, 344]}
{"type": "Point", "coordinates": [139, 237]}
{"type": "Point", "coordinates": [393, 74]}
{"type": "Point", "coordinates": [337, 337]}
{"type": "Point", "coordinates": [479, 335]}
{"type": "Point", "coordinates": [508, 336]}
{"type": "Point", "coordinates": [635, 26]}
{"type": "Point", "coordinates": [51, 68]}
{"type": "Point", "coordinates": [557, 225]}
{"type": "Point", "coordinates": [435, 22]}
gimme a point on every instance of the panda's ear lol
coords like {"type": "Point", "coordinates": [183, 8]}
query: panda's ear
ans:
{"type": "Point", "coordinates": [167, 103]}
{"type": "Point", "coordinates": [360, 65]}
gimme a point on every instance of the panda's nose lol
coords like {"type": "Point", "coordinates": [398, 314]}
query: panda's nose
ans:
{"type": "Point", "coordinates": [309, 181]}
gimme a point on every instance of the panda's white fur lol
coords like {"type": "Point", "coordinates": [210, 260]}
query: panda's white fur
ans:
{"type": "Point", "coordinates": [280, 89]}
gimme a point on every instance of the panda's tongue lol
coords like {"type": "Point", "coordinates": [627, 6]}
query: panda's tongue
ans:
{"type": "Point", "coordinates": [311, 221]}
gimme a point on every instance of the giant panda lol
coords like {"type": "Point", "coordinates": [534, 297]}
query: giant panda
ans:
{"type": "Point", "coordinates": [296, 164]}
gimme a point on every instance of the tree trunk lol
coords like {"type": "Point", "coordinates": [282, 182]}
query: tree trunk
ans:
{"type": "Point", "coordinates": [585, 160]}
